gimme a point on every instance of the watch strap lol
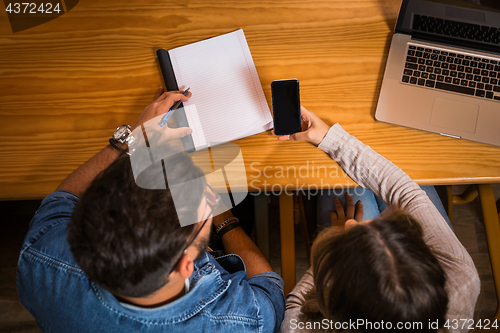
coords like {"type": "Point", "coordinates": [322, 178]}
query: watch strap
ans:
{"type": "Point", "coordinates": [115, 145]}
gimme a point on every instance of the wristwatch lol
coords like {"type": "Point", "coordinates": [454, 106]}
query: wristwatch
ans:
{"type": "Point", "coordinates": [122, 134]}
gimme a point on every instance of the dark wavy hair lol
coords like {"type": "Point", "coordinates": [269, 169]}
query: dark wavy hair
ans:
{"type": "Point", "coordinates": [381, 270]}
{"type": "Point", "coordinates": [127, 238]}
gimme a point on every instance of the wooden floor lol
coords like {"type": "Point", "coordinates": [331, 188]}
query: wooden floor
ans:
{"type": "Point", "coordinates": [16, 216]}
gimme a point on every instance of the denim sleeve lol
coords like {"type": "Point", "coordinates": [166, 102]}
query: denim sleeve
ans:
{"type": "Point", "coordinates": [268, 289]}
{"type": "Point", "coordinates": [56, 208]}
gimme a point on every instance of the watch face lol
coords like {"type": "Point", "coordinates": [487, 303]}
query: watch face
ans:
{"type": "Point", "coordinates": [119, 132]}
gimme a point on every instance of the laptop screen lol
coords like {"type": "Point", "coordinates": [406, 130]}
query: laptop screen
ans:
{"type": "Point", "coordinates": [464, 22]}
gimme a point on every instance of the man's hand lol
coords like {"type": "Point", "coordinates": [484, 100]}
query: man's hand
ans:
{"type": "Point", "coordinates": [78, 181]}
{"type": "Point", "coordinates": [313, 129]}
{"type": "Point", "coordinates": [338, 218]}
{"type": "Point", "coordinates": [162, 102]}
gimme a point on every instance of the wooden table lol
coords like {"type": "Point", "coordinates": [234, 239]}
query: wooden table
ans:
{"type": "Point", "coordinates": [67, 84]}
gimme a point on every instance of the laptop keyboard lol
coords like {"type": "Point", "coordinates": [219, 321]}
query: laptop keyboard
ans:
{"type": "Point", "coordinates": [452, 71]}
{"type": "Point", "coordinates": [456, 29]}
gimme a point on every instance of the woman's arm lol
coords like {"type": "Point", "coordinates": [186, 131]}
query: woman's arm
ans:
{"type": "Point", "coordinates": [372, 171]}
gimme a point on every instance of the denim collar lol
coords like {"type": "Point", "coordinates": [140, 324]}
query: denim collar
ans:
{"type": "Point", "coordinates": [206, 286]}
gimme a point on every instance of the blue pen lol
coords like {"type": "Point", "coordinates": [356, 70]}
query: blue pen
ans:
{"type": "Point", "coordinates": [166, 117]}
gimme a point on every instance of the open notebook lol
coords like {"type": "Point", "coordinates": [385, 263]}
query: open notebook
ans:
{"type": "Point", "coordinates": [228, 102]}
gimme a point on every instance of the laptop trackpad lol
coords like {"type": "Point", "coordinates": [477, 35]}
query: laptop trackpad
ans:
{"type": "Point", "coordinates": [454, 115]}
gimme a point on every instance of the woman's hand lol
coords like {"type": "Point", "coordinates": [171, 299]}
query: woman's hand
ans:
{"type": "Point", "coordinates": [353, 212]}
{"type": "Point", "coordinates": [313, 129]}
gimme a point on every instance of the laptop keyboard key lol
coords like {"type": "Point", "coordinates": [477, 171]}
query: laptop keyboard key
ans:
{"type": "Point", "coordinates": [440, 78]}
{"type": "Point", "coordinates": [411, 66]}
{"type": "Point", "coordinates": [456, 81]}
{"type": "Point", "coordinates": [480, 93]}
{"type": "Point", "coordinates": [421, 82]}
{"type": "Point", "coordinates": [413, 80]}
{"type": "Point", "coordinates": [405, 78]}
{"type": "Point", "coordinates": [458, 89]}
{"type": "Point", "coordinates": [463, 83]}
{"type": "Point", "coordinates": [480, 86]}
{"type": "Point", "coordinates": [430, 84]}
{"type": "Point", "coordinates": [496, 88]}
{"type": "Point", "coordinates": [472, 84]}
{"type": "Point", "coordinates": [447, 79]}
{"type": "Point", "coordinates": [411, 59]}
{"type": "Point", "coordinates": [408, 72]}
{"type": "Point", "coordinates": [488, 87]}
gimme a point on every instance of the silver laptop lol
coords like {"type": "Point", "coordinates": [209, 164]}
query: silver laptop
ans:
{"type": "Point", "coordinates": [443, 69]}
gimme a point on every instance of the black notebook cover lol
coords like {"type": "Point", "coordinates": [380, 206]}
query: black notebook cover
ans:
{"type": "Point", "coordinates": [171, 84]}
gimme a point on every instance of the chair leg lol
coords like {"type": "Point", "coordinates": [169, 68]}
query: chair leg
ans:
{"type": "Point", "coordinates": [303, 224]}
{"type": "Point", "coordinates": [449, 194]}
{"type": "Point", "coordinates": [492, 228]}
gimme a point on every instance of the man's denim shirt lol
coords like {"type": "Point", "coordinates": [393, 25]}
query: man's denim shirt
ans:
{"type": "Point", "coordinates": [62, 299]}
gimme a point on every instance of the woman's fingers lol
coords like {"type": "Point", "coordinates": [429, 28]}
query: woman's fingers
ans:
{"type": "Point", "coordinates": [349, 206]}
{"type": "Point", "coordinates": [338, 207]}
{"type": "Point", "coordinates": [359, 211]}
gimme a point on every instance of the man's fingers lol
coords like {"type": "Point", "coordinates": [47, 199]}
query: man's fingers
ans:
{"type": "Point", "coordinates": [338, 207]}
{"type": "Point", "coordinates": [171, 98]}
{"type": "Point", "coordinates": [359, 211]}
{"type": "Point", "coordinates": [158, 93]}
{"type": "Point", "coordinates": [176, 133]}
{"type": "Point", "coordinates": [350, 206]}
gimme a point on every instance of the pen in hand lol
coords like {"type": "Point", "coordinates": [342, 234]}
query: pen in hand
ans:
{"type": "Point", "coordinates": [167, 116]}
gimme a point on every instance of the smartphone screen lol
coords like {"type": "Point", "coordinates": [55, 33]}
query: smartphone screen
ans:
{"type": "Point", "coordinates": [286, 106]}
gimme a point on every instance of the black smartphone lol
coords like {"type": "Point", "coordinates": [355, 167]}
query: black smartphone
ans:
{"type": "Point", "coordinates": [286, 106]}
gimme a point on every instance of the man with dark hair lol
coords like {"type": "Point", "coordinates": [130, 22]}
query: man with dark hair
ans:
{"type": "Point", "coordinates": [106, 255]}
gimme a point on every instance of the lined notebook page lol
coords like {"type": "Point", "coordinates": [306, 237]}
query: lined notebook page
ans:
{"type": "Point", "coordinates": [230, 103]}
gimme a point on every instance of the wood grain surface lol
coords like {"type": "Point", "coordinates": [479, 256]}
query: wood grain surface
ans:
{"type": "Point", "coordinates": [67, 84]}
